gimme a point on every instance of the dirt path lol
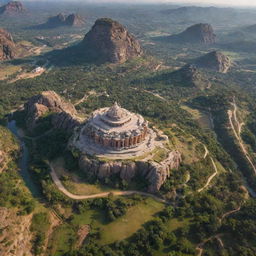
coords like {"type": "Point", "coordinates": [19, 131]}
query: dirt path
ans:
{"type": "Point", "coordinates": [152, 93]}
{"type": "Point", "coordinates": [200, 246]}
{"type": "Point", "coordinates": [87, 95]}
{"type": "Point", "coordinates": [210, 178]}
{"type": "Point", "coordinates": [236, 123]}
{"type": "Point", "coordinates": [229, 213]}
{"type": "Point", "coordinates": [60, 186]}
{"type": "Point", "coordinates": [233, 114]}
{"type": "Point", "coordinates": [206, 151]}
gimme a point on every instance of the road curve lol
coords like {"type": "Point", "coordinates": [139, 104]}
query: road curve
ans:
{"type": "Point", "coordinates": [60, 186]}
{"type": "Point", "coordinates": [210, 178]}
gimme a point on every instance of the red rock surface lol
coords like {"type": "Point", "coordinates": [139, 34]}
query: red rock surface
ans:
{"type": "Point", "coordinates": [111, 42]}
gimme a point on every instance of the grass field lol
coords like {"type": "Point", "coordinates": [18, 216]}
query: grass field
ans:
{"type": "Point", "coordinates": [8, 70]}
{"type": "Point", "coordinates": [203, 119]}
{"type": "Point", "coordinates": [132, 221]}
{"type": "Point", "coordinates": [62, 240]}
{"type": "Point", "coordinates": [74, 183]}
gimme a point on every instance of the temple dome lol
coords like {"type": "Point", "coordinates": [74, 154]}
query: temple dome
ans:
{"type": "Point", "coordinates": [116, 113]}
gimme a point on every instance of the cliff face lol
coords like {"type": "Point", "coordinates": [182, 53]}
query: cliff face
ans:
{"type": "Point", "coordinates": [154, 173]}
{"type": "Point", "coordinates": [72, 20]}
{"type": "Point", "coordinates": [109, 41]}
{"type": "Point", "coordinates": [13, 7]}
{"type": "Point", "coordinates": [215, 61]}
{"type": "Point", "coordinates": [198, 33]}
{"type": "Point", "coordinates": [7, 46]}
{"type": "Point", "coordinates": [50, 102]}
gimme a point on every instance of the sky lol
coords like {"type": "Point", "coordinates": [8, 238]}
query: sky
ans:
{"type": "Point", "coordinates": [246, 3]}
{"type": "Point", "coordinates": [206, 2]}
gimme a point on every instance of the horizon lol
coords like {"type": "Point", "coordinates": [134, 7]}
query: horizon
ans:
{"type": "Point", "coordinates": [226, 3]}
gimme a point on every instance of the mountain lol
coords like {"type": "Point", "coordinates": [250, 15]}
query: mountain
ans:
{"type": "Point", "coordinates": [251, 28]}
{"type": "Point", "coordinates": [7, 46]}
{"type": "Point", "coordinates": [62, 113]}
{"type": "Point", "coordinates": [215, 61]}
{"type": "Point", "coordinates": [75, 20]}
{"type": "Point", "coordinates": [72, 20]}
{"type": "Point", "coordinates": [198, 33]}
{"type": "Point", "coordinates": [109, 41]}
{"type": "Point", "coordinates": [13, 7]}
{"type": "Point", "coordinates": [195, 11]}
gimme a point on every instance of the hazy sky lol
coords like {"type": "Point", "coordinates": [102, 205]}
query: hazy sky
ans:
{"type": "Point", "coordinates": [206, 2]}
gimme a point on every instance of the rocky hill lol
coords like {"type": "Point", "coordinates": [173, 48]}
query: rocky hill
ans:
{"type": "Point", "coordinates": [13, 7]}
{"type": "Point", "coordinates": [48, 102]}
{"type": "Point", "coordinates": [215, 60]}
{"type": "Point", "coordinates": [198, 33]}
{"type": "Point", "coordinates": [72, 20]}
{"type": "Point", "coordinates": [109, 41]}
{"type": "Point", "coordinates": [8, 49]}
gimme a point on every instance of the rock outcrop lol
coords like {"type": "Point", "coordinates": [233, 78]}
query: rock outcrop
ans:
{"type": "Point", "coordinates": [72, 20]}
{"type": "Point", "coordinates": [215, 61]}
{"type": "Point", "coordinates": [8, 49]}
{"type": "Point", "coordinates": [13, 7]}
{"type": "Point", "coordinates": [155, 173]}
{"type": "Point", "coordinates": [48, 102]}
{"type": "Point", "coordinates": [198, 33]}
{"type": "Point", "coordinates": [109, 41]}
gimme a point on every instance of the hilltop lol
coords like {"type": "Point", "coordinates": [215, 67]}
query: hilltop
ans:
{"type": "Point", "coordinates": [72, 20]}
{"type": "Point", "coordinates": [13, 7]}
{"type": "Point", "coordinates": [198, 33]}
{"type": "Point", "coordinates": [109, 41]}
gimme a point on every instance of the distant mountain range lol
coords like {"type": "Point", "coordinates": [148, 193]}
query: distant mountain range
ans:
{"type": "Point", "coordinates": [60, 20]}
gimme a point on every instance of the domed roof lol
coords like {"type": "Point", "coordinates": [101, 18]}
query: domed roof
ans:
{"type": "Point", "coordinates": [116, 113]}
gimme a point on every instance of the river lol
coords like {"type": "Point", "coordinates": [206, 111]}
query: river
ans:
{"type": "Point", "coordinates": [24, 161]}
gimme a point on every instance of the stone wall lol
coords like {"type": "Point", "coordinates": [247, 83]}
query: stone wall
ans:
{"type": "Point", "coordinates": [155, 173]}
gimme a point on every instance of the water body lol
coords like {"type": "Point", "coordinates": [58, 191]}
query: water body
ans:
{"type": "Point", "coordinates": [24, 161]}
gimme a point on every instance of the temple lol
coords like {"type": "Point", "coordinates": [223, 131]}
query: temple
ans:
{"type": "Point", "coordinates": [116, 128]}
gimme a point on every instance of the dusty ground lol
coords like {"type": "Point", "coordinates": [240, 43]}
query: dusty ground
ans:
{"type": "Point", "coordinates": [82, 234]}
{"type": "Point", "coordinates": [15, 235]}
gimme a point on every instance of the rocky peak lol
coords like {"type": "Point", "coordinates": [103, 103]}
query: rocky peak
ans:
{"type": "Point", "coordinates": [12, 7]}
{"type": "Point", "coordinates": [75, 20]}
{"type": "Point", "coordinates": [198, 33]}
{"type": "Point", "coordinates": [109, 41]}
{"type": "Point", "coordinates": [48, 102]}
{"type": "Point", "coordinates": [7, 46]}
{"type": "Point", "coordinates": [214, 60]}
{"type": "Point", "coordinates": [64, 20]}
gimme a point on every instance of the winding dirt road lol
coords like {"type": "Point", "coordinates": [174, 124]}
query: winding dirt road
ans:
{"type": "Point", "coordinates": [60, 186]}
{"type": "Point", "coordinates": [210, 178]}
{"type": "Point", "coordinates": [229, 213]}
{"type": "Point", "coordinates": [233, 114]}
